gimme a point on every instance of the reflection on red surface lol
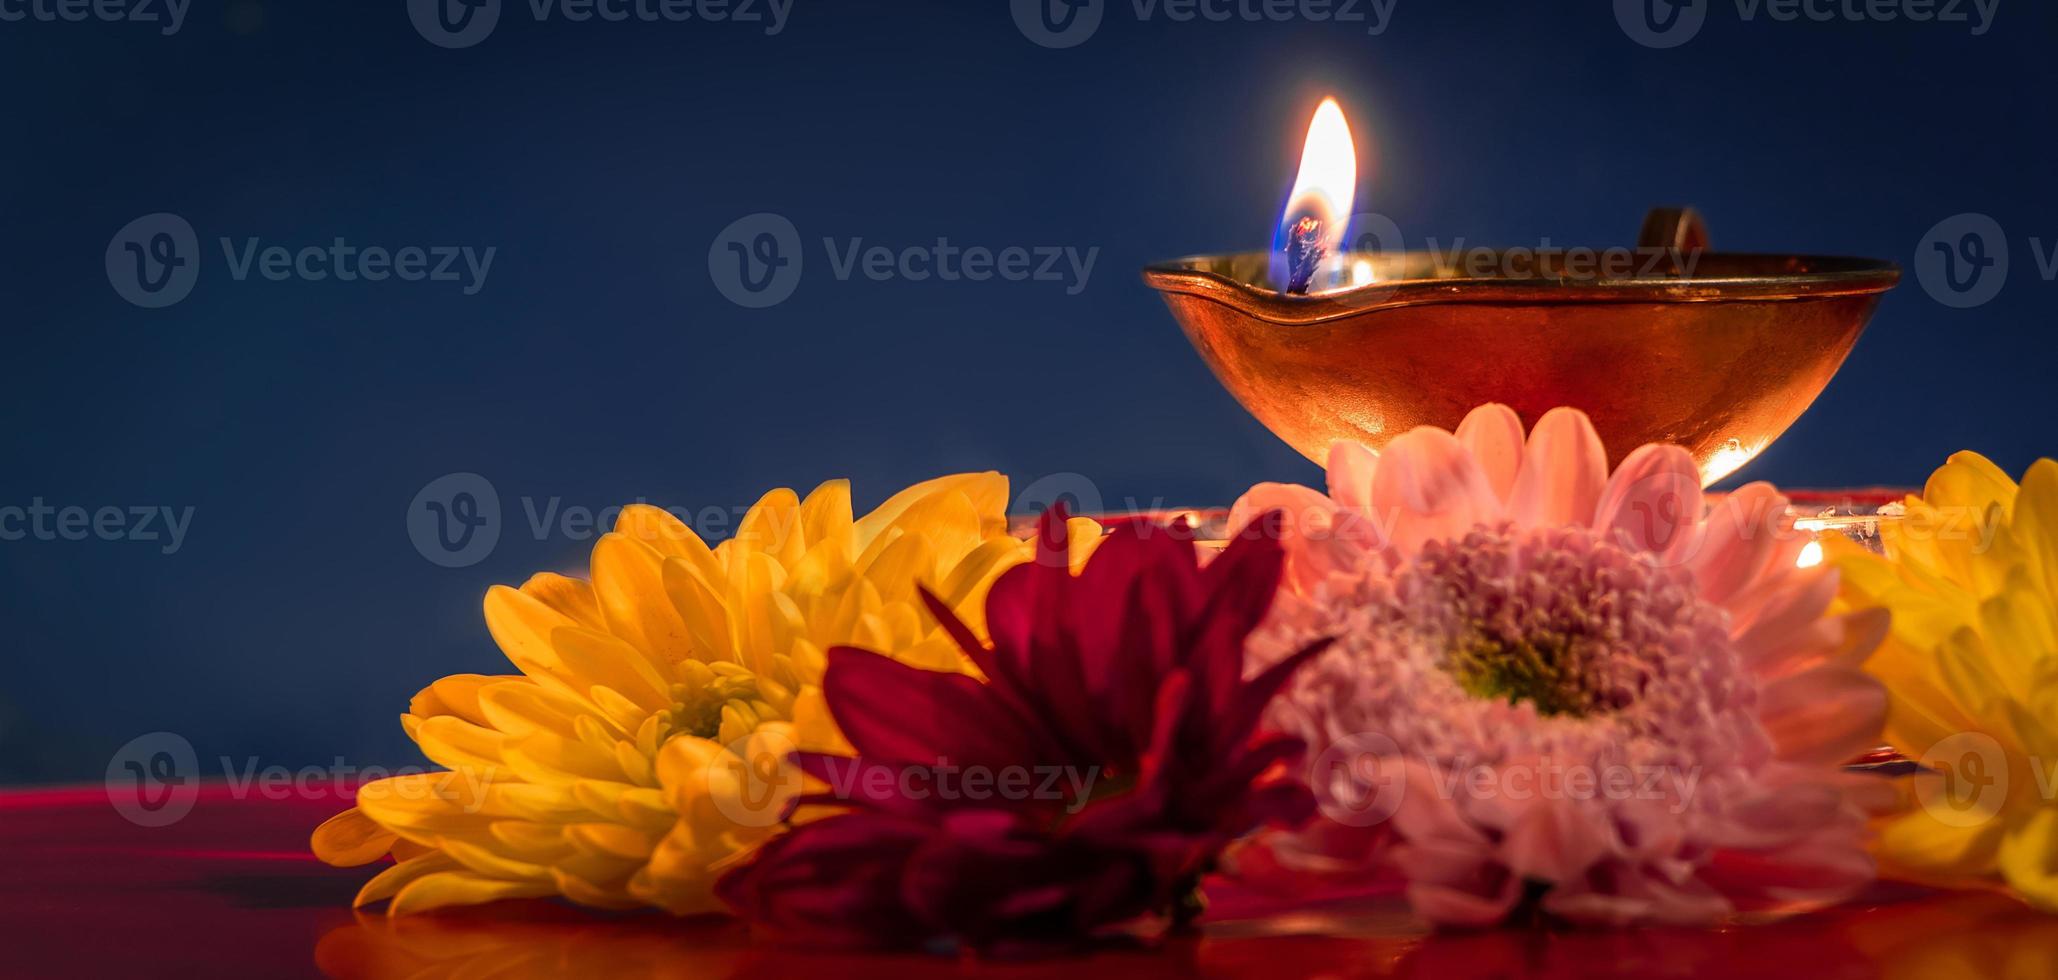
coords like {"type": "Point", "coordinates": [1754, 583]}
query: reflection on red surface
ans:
{"type": "Point", "coordinates": [229, 891]}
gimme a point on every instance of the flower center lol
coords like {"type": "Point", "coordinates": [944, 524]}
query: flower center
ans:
{"type": "Point", "coordinates": [1556, 617]}
{"type": "Point", "coordinates": [1543, 670]}
{"type": "Point", "coordinates": [699, 700]}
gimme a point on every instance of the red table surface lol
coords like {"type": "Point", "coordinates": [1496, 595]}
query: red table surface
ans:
{"type": "Point", "coordinates": [230, 890]}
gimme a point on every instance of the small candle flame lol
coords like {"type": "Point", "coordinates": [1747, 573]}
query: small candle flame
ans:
{"type": "Point", "coordinates": [1318, 210]}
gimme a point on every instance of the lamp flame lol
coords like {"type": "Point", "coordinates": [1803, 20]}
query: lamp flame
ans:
{"type": "Point", "coordinates": [1318, 210]}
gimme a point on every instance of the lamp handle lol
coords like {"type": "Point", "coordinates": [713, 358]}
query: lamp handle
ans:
{"type": "Point", "coordinates": [1674, 230]}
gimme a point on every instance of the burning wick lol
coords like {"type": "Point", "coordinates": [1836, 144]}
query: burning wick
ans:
{"type": "Point", "coordinates": [1305, 250]}
{"type": "Point", "coordinates": [1311, 229]}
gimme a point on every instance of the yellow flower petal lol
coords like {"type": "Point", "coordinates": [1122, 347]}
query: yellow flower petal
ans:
{"type": "Point", "coordinates": [456, 743]}
{"type": "Point", "coordinates": [659, 531]}
{"type": "Point", "coordinates": [1970, 481]}
{"type": "Point", "coordinates": [592, 657]}
{"type": "Point", "coordinates": [549, 759]}
{"type": "Point", "coordinates": [628, 578]}
{"type": "Point", "coordinates": [538, 842]}
{"type": "Point", "coordinates": [770, 528]}
{"type": "Point", "coordinates": [987, 491]}
{"type": "Point", "coordinates": [520, 707]}
{"type": "Point", "coordinates": [825, 516]}
{"type": "Point", "coordinates": [587, 893]}
{"type": "Point", "coordinates": [1919, 843]}
{"type": "Point", "coordinates": [521, 625]}
{"type": "Point", "coordinates": [389, 882]}
{"type": "Point", "coordinates": [436, 890]}
{"type": "Point", "coordinates": [2035, 524]}
{"type": "Point", "coordinates": [457, 695]}
{"type": "Point", "coordinates": [484, 861]}
{"type": "Point", "coordinates": [350, 838]}
{"type": "Point", "coordinates": [611, 839]}
{"type": "Point", "coordinates": [2029, 858]}
{"type": "Point", "coordinates": [571, 597]}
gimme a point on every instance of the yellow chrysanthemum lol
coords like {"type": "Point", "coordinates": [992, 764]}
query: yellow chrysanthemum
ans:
{"type": "Point", "coordinates": [1971, 575]}
{"type": "Point", "coordinates": [637, 754]}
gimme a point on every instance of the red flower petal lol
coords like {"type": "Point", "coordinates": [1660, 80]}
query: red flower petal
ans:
{"type": "Point", "coordinates": [900, 715]}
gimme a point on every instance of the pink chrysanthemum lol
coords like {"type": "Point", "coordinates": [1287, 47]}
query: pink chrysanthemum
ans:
{"type": "Point", "coordinates": [1555, 692]}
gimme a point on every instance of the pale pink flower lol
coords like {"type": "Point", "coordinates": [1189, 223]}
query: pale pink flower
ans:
{"type": "Point", "coordinates": [1563, 693]}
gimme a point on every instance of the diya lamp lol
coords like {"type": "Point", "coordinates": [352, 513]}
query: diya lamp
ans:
{"type": "Point", "coordinates": [1715, 351]}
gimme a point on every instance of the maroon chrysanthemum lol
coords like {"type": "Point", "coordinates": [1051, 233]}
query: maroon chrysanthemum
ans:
{"type": "Point", "coordinates": [1082, 788]}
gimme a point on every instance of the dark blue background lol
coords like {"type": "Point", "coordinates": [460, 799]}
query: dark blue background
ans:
{"type": "Point", "coordinates": [600, 364]}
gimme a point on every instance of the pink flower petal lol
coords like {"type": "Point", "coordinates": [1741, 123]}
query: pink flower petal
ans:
{"type": "Point", "coordinates": [1825, 716]}
{"type": "Point", "coordinates": [1741, 539]}
{"type": "Point", "coordinates": [1564, 468]}
{"type": "Point", "coordinates": [1319, 539]}
{"type": "Point", "coordinates": [1796, 607]}
{"type": "Point", "coordinates": [1553, 839]}
{"type": "Point", "coordinates": [1457, 907]}
{"type": "Point", "coordinates": [1429, 488]}
{"type": "Point", "coordinates": [1821, 868]}
{"type": "Point", "coordinates": [1654, 499]}
{"type": "Point", "coordinates": [1456, 883]}
{"type": "Point", "coordinates": [1640, 898]}
{"type": "Point", "coordinates": [1351, 466]}
{"type": "Point", "coordinates": [1493, 434]}
{"type": "Point", "coordinates": [1780, 814]}
{"type": "Point", "coordinates": [1424, 814]}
